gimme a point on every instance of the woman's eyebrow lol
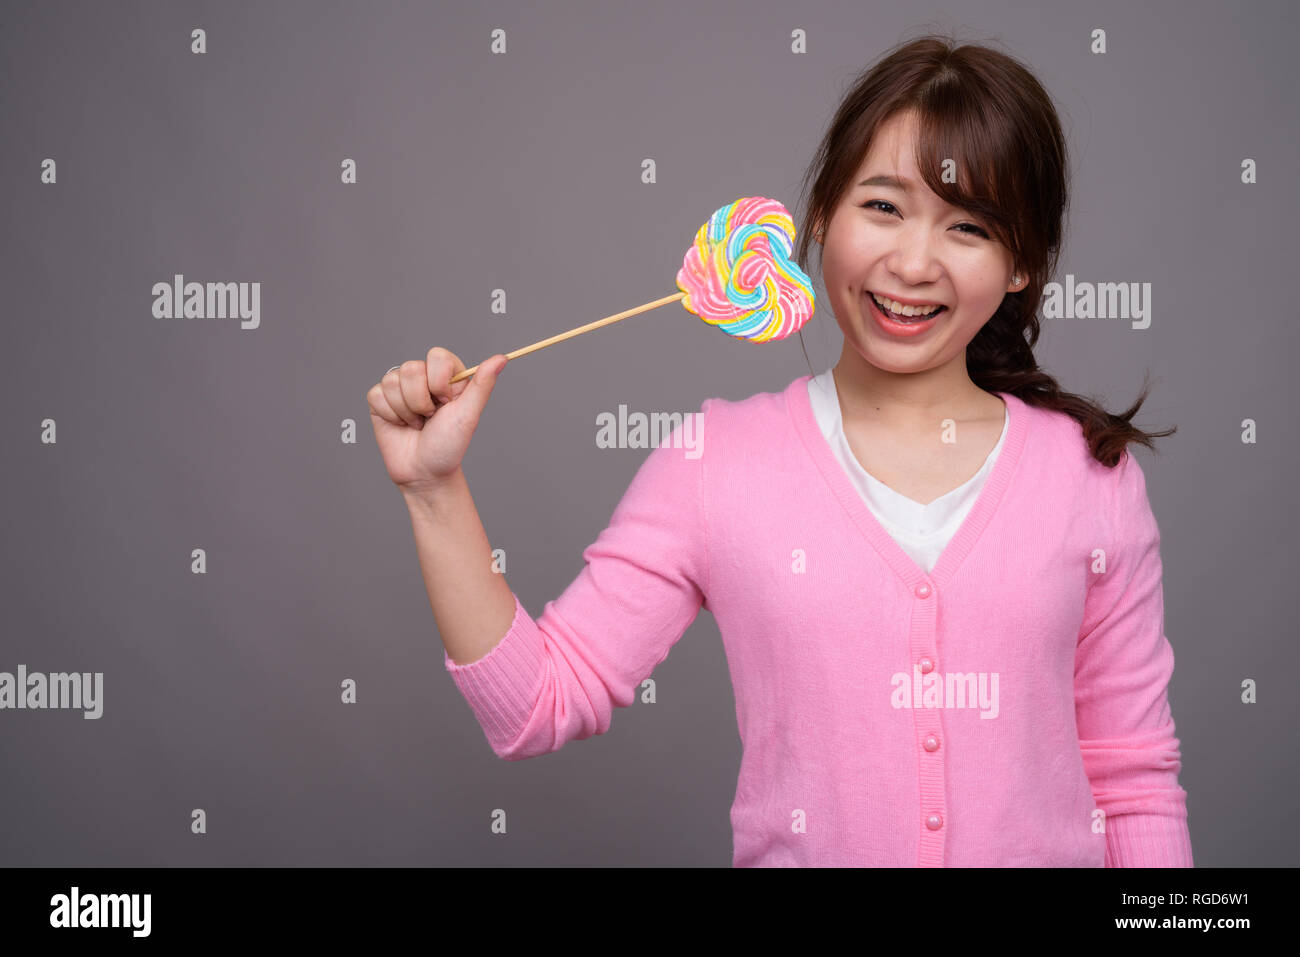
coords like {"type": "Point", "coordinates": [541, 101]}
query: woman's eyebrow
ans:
{"type": "Point", "coordinates": [884, 180]}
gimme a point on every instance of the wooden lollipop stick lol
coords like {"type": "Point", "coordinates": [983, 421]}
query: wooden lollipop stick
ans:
{"type": "Point", "coordinates": [576, 332]}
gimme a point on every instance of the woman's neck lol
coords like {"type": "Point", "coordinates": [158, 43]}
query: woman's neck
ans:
{"type": "Point", "coordinates": [910, 401]}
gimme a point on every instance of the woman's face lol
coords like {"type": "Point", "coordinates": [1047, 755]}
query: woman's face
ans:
{"type": "Point", "coordinates": [904, 242]}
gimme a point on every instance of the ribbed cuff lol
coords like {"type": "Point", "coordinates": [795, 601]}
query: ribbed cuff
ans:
{"type": "Point", "coordinates": [1148, 840]}
{"type": "Point", "coordinates": [502, 686]}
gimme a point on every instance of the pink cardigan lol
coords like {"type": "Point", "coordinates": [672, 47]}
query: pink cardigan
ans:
{"type": "Point", "coordinates": [1009, 709]}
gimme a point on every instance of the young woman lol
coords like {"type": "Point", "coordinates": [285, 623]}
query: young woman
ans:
{"type": "Point", "coordinates": [936, 575]}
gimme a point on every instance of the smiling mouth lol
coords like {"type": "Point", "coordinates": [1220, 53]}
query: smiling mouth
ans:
{"type": "Point", "coordinates": [898, 317]}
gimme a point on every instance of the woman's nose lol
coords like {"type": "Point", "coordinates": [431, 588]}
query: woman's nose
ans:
{"type": "Point", "coordinates": [913, 260]}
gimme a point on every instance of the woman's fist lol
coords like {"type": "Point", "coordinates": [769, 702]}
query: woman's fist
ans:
{"type": "Point", "coordinates": [423, 424]}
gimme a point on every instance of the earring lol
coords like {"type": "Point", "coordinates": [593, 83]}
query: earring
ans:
{"type": "Point", "coordinates": [1015, 280]}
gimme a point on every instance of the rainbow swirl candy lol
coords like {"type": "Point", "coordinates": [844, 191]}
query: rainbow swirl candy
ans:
{"type": "Point", "coordinates": [738, 275]}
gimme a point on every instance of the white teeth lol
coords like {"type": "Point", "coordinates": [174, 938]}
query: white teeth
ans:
{"type": "Point", "coordinates": [901, 310]}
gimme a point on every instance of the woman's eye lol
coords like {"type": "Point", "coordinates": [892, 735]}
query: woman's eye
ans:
{"type": "Point", "coordinates": [969, 228]}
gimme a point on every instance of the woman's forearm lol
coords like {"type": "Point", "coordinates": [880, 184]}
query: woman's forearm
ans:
{"type": "Point", "coordinates": [472, 604]}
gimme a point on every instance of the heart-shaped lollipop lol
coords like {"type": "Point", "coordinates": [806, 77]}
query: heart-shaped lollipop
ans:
{"type": "Point", "coordinates": [737, 276]}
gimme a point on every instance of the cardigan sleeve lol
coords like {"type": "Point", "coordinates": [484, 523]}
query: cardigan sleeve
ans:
{"type": "Point", "coordinates": [1123, 664]}
{"type": "Point", "coordinates": [557, 677]}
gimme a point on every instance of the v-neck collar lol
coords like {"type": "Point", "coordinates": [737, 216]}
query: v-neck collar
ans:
{"type": "Point", "coordinates": [805, 422]}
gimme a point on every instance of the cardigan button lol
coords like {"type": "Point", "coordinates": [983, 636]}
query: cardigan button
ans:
{"type": "Point", "coordinates": [926, 666]}
{"type": "Point", "coordinates": [923, 590]}
{"type": "Point", "coordinates": [931, 743]}
{"type": "Point", "coordinates": [934, 822]}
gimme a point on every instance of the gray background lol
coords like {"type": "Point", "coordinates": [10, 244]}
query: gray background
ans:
{"type": "Point", "coordinates": [522, 171]}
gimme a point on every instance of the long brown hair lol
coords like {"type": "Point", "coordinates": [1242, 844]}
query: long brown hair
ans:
{"type": "Point", "coordinates": [988, 112]}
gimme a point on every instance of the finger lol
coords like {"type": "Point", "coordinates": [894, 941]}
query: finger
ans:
{"type": "Point", "coordinates": [440, 365]}
{"type": "Point", "coordinates": [415, 387]}
{"type": "Point", "coordinates": [380, 406]}
{"type": "Point", "coordinates": [392, 386]}
{"type": "Point", "coordinates": [480, 387]}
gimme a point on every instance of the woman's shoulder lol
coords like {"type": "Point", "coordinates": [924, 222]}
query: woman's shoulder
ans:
{"type": "Point", "coordinates": [755, 404]}
{"type": "Point", "coordinates": [1061, 436]}
{"type": "Point", "coordinates": [741, 427]}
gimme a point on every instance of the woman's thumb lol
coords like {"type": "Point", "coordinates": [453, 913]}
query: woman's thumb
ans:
{"type": "Point", "coordinates": [480, 386]}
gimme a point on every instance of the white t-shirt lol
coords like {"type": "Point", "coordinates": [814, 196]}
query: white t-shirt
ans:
{"type": "Point", "coordinates": [922, 531]}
